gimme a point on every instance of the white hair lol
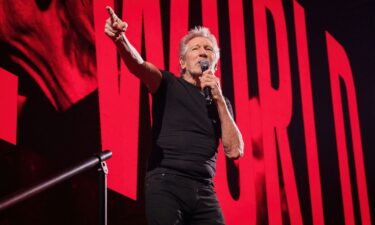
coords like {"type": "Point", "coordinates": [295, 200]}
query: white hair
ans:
{"type": "Point", "coordinates": [199, 32]}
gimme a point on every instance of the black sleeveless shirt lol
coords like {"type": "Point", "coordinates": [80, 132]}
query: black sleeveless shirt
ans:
{"type": "Point", "coordinates": [186, 131]}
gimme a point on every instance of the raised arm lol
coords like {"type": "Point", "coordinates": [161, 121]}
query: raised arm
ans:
{"type": "Point", "coordinates": [149, 74]}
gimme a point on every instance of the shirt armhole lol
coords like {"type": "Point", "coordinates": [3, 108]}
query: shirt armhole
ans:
{"type": "Point", "coordinates": [166, 79]}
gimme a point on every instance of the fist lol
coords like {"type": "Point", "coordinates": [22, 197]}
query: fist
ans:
{"type": "Point", "coordinates": [208, 79]}
{"type": "Point", "coordinates": [114, 26]}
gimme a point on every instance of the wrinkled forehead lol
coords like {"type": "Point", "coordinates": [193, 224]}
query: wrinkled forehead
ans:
{"type": "Point", "coordinates": [201, 41]}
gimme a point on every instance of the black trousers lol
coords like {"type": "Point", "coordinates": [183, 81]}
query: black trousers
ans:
{"type": "Point", "coordinates": [173, 199]}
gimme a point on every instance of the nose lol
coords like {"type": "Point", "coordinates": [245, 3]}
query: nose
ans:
{"type": "Point", "coordinates": [202, 52]}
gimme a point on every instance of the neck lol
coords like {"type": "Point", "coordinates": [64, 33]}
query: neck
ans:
{"type": "Point", "coordinates": [193, 79]}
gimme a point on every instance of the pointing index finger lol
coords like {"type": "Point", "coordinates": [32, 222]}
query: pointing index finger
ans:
{"type": "Point", "coordinates": [112, 14]}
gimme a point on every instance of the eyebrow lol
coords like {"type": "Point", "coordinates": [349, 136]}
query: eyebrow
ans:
{"type": "Point", "coordinates": [197, 45]}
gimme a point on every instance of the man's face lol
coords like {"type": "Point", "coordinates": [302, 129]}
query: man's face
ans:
{"type": "Point", "coordinates": [198, 49]}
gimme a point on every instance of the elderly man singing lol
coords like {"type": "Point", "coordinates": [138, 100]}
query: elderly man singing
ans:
{"type": "Point", "coordinates": [190, 115]}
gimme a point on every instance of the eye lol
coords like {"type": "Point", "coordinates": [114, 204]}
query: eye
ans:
{"type": "Point", "coordinates": [209, 49]}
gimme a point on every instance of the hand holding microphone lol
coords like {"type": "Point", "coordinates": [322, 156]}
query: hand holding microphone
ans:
{"type": "Point", "coordinates": [206, 90]}
{"type": "Point", "coordinates": [211, 84]}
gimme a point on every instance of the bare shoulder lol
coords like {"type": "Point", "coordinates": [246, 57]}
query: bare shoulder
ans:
{"type": "Point", "coordinates": [151, 76]}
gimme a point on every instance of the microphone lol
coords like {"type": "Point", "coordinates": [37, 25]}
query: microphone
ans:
{"type": "Point", "coordinates": [206, 90]}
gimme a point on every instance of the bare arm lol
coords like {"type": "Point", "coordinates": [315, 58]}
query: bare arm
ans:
{"type": "Point", "coordinates": [231, 137]}
{"type": "Point", "coordinates": [149, 74]}
{"type": "Point", "coordinates": [230, 134]}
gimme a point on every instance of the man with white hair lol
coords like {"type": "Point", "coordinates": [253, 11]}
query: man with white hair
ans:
{"type": "Point", "coordinates": [186, 128]}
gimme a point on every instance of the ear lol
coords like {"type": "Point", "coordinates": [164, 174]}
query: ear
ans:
{"type": "Point", "coordinates": [182, 64]}
{"type": "Point", "coordinates": [215, 67]}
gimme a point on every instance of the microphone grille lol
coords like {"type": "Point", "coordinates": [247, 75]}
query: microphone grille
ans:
{"type": "Point", "coordinates": [204, 65]}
